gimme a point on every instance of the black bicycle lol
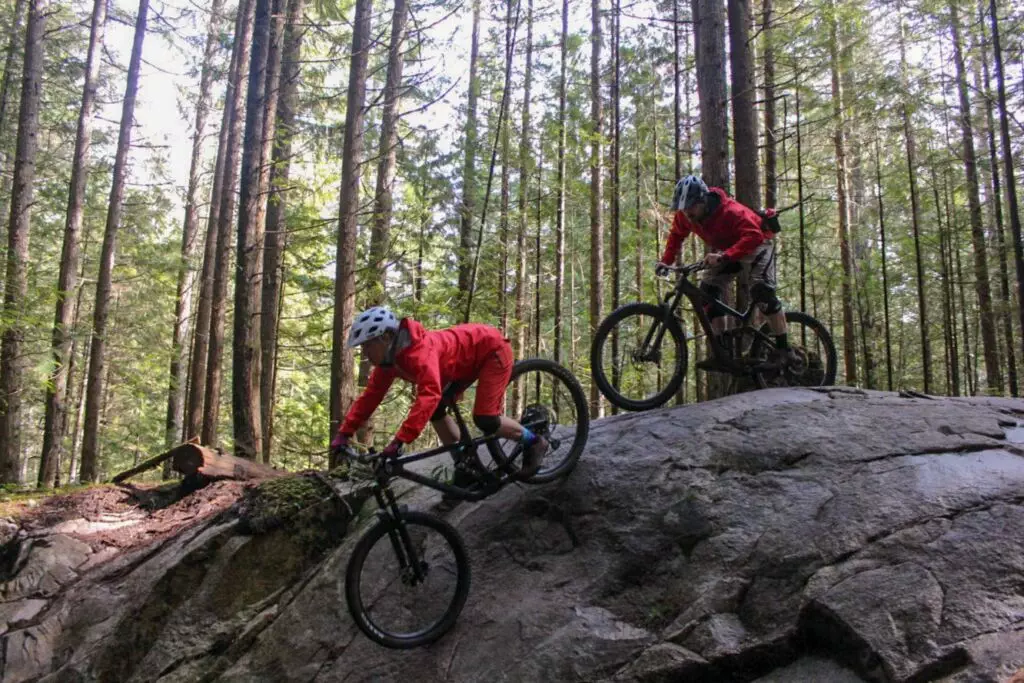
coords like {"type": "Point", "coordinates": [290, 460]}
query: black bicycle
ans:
{"type": "Point", "coordinates": [638, 357]}
{"type": "Point", "coordinates": [408, 576]}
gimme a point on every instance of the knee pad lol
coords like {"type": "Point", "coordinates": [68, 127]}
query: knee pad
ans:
{"type": "Point", "coordinates": [712, 310]}
{"type": "Point", "coordinates": [765, 296]}
{"type": "Point", "coordinates": [488, 424]}
{"type": "Point", "coordinates": [442, 410]}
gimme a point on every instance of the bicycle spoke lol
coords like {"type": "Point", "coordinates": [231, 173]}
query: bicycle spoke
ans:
{"type": "Point", "coordinates": [393, 599]}
{"type": "Point", "coordinates": [640, 369]}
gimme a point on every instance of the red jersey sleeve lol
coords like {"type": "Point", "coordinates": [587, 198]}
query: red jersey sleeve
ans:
{"type": "Point", "coordinates": [428, 396]}
{"type": "Point", "coordinates": [679, 232]}
{"type": "Point", "coordinates": [362, 408]}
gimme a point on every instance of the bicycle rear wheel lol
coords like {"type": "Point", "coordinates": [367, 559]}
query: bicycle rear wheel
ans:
{"type": "Point", "coordinates": [407, 580]}
{"type": "Point", "coordinates": [815, 363]}
{"type": "Point", "coordinates": [546, 398]}
{"type": "Point", "coordinates": [649, 364]}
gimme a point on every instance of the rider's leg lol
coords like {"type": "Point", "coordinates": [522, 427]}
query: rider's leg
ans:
{"type": "Point", "coordinates": [447, 430]}
{"type": "Point", "coordinates": [506, 427]}
{"type": "Point", "coordinates": [711, 288]}
{"type": "Point", "coordinates": [444, 425]}
{"type": "Point", "coordinates": [762, 291]}
{"type": "Point", "coordinates": [490, 404]}
{"type": "Point", "coordinates": [714, 285]}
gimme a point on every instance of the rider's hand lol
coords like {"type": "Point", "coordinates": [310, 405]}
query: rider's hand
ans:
{"type": "Point", "coordinates": [393, 449]}
{"type": "Point", "coordinates": [714, 259]}
{"type": "Point", "coordinates": [340, 442]}
{"type": "Point", "coordinates": [661, 269]}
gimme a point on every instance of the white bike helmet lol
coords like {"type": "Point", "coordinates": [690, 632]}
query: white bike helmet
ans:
{"type": "Point", "coordinates": [689, 191]}
{"type": "Point", "coordinates": [371, 323]}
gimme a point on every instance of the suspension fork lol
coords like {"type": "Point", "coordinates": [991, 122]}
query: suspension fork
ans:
{"type": "Point", "coordinates": [398, 534]}
{"type": "Point", "coordinates": [657, 332]}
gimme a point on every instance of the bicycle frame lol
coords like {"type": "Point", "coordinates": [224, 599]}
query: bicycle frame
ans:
{"type": "Point", "coordinates": [697, 297]}
{"type": "Point", "coordinates": [385, 470]}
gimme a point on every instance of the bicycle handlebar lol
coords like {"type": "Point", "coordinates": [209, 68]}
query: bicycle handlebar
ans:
{"type": "Point", "coordinates": [688, 268]}
{"type": "Point", "coordinates": [368, 458]}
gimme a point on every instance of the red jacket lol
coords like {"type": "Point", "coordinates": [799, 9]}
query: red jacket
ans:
{"type": "Point", "coordinates": [732, 229]}
{"type": "Point", "coordinates": [433, 359]}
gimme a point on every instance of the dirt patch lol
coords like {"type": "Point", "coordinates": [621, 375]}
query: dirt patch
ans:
{"type": "Point", "coordinates": [126, 517]}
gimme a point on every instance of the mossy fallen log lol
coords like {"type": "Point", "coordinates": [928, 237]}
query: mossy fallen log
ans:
{"type": "Point", "coordinates": [199, 462]}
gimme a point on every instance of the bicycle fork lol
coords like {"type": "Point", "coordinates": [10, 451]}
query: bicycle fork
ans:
{"type": "Point", "coordinates": [652, 342]}
{"type": "Point", "coordinates": [413, 569]}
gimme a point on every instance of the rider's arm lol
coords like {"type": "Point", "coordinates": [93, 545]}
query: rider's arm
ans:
{"type": "Point", "coordinates": [362, 408]}
{"type": "Point", "coordinates": [751, 237]}
{"type": "Point", "coordinates": [428, 396]}
{"type": "Point", "coordinates": [678, 233]}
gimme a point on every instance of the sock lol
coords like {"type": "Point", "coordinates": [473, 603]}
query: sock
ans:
{"type": "Point", "coordinates": [782, 341]}
{"type": "Point", "coordinates": [528, 438]}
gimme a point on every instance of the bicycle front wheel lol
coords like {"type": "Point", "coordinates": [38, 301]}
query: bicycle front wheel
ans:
{"type": "Point", "coordinates": [814, 362]}
{"type": "Point", "coordinates": [407, 580]}
{"type": "Point", "coordinates": [546, 398]}
{"type": "Point", "coordinates": [638, 358]}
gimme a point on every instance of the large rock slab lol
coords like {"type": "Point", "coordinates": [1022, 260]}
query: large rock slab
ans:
{"type": "Point", "coordinates": [725, 541]}
{"type": "Point", "coordinates": [782, 535]}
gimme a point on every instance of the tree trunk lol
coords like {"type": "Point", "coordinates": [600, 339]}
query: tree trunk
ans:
{"type": "Point", "coordinates": [276, 237]}
{"type": "Point", "coordinates": [12, 359]}
{"type": "Point", "coordinates": [996, 203]}
{"type": "Point", "coordinates": [525, 173]}
{"type": "Point", "coordinates": [417, 282]}
{"type": "Point", "coordinates": [225, 220]}
{"type": "Point", "coordinates": [949, 316]}
{"type": "Point", "coordinates": [63, 322]}
{"type": "Point", "coordinates": [687, 119]}
{"type": "Point", "coordinates": [910, 140]}
{"type": "Point", "coordinates": [676, 72]}
{"type": "Point", "coordinates": [380, 229]}
{"type": "Point", "coordinates": [245, 375]}
{"type": "Point", "coordinates": [800, 197]}
{"type": "Point", "coordinates": [596, 190]}
{"type": "Point", "coordinates": [345, 281]}
{"type": "Point", "coordinates": [197, 381]}
{"type": "Point", "coordinates": [970, 378]}
{"type": "Point", "coordinates": [14, 40]}
{"type": "Point", "coordinates": [468, 205]}
{"type": "Point", "coordinates": [76, 363]}
{"type": "Point", "coordinates": [709, 23]}
{"type": "Point", "coordinates": [614, 181]}
{"type": "Point", "coordinates": [638, 224]}
{"type": "Point", "coordinates": [709, 48]}
{"type": "Point", "coordinates": [506, 162]}
{"type": "Point", "coordinates": [74, 460]}
{"type": "Point", "coordinates": [885, 267]}
{"type": "Point", "coordinates": [104, 284]}
{"type": "Point", "coordinates": [744, 113]}
{"type": "Point", "coordinates": [560, 211]}
{"type": "Point", "coordinates": [993, 373]}
{"type": "Point", "coordinates": [537, 252]}
{"type": "Point", "coordinates": [1011, 180]}
{"type": "Point", "coordinates": [189, 244]}
{"type": "Point", "coordinates": [842, 190]}
{"type": "Point", "coordinates": [771, 183]}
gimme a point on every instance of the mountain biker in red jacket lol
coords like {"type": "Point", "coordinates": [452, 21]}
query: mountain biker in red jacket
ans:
{"type": "Point", "coordinates": [430, 360]}
{"type": "Point", "coordinates": [741, 245]}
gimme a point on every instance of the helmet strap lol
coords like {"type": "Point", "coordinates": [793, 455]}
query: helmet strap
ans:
{"type": "Point", "coordinates": [399, 341]}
